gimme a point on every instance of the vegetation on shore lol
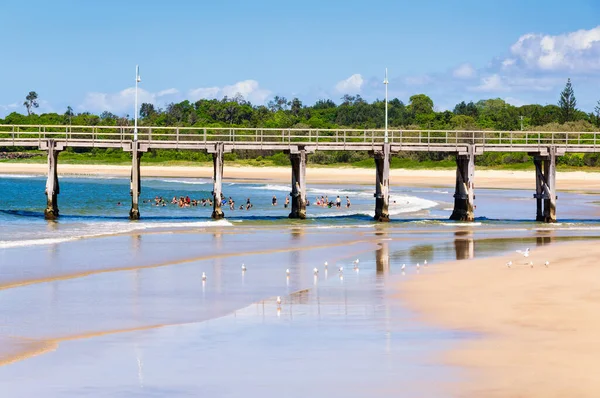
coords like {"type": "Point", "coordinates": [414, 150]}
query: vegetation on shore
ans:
{"type": "Point", "coordinates": [352, 112]}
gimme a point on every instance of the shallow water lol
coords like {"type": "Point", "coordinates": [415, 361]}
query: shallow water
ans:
{"type": "Point", "coordinates": [94, 304]}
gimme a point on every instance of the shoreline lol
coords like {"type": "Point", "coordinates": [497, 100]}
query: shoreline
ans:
{"type": "Point", "coordinates": [506, 179]}
{"type": "Point", "coordinates": [536, 327]}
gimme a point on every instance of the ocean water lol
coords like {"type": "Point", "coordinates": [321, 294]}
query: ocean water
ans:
{"type": "Point", "coordinates": [94, 304]}
{"type": "Point", "coordinates": [99, 206]}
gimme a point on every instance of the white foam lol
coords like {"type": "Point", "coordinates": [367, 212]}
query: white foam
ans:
{"type": "Point", "coordinates": [19, 176]}
{"type": "Point", "coordinates": [190, 182]}
{"type": "Point", "coordinates": [269, 187]}
{"type": "Point", "coordinates": [461, 224]}
{"type": "Point", "coordinates": [109, 228]}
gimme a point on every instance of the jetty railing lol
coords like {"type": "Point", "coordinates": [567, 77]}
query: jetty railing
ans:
{"type": "Point", "coordinates": [14, 134]}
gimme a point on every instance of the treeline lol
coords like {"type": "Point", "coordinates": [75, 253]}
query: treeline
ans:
{"type": "Point", "coordinates": [350, 112]}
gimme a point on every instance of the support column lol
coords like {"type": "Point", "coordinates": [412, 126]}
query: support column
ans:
{"type": "Point", "coordinates": [550, 175]}
{"type": "Point", "coordinates": [217, 213]}
{"type": "Point", "coordinates": [539, 188]}
{"type": "Point", "coordinates": [464, 193]}
{"type": "Point", "coordinates": [298, 194]}
{"type": "Point", "coordinates": [52, 186]}
{"type": "Point", "coordinates": [135, 181]}
{"type": "Point", "coordinates": [545, 177]}
{"type": "Point", "coordinates": [382, 184]}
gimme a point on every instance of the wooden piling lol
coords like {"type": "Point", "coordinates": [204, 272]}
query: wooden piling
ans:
{"type": "Point", "coordinates": [382, 183]}
{"type": "Point", "coordinates": [464, 193]}
{"type": "Point", "coordinates": [545, 183]}
{"type": "Point", "coordinates": [217, 213]}
{"type": "Point", "coordinates": [298, 194]}
{"type": "Point", "coordinates": [135, 181]}
{"type": "Point", "coordinates": [539, 188]}
{"type": "Point", "coordinates": [52, 185]}
{"type": "Point", "coordinates": [550, 175]}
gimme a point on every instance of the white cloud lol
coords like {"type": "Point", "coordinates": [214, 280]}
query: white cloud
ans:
{"type": "Point", "coordinates": [490, 83]}
{"type": "Point", "coordinates": [351, 85]}
{"type": "Point", "coordinates": [508, 62]}
{"type": "Point", "coordinates": [123, 102]}
{"type": "Point", "coordinates": [576, 51]}
{"type": "Point", "coordinates": [169, 91]}
{"type": "Point", "coordinates": [9, 108]}
{"type": "Point", "coordinates": [514, 101]}
{"type": "Point", "coordinates": [249, 89]}
{"type": "Point", "coordinates": [417, 80]}
{"type": "Point", "coordinates": [502, 83]}
{"type": "Point", "coordinates": [464, 71]}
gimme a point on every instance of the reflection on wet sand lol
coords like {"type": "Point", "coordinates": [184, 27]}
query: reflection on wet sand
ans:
{"type": "Point", "coordinates": [464, 245]}
{"type": "Point", "coordinates": [382, 258]}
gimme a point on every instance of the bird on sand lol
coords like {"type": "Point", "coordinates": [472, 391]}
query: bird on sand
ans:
{"type": "Point", "coordinates": [315, 271]}
{"type": "Point", "coordinates": [531, 264]}
{"type": "Point", "coordinates": [418, 266]}
{"type": "Point", "coordinates": [425, 263]}
{"type": "Point", "coordinates": [287, 272]}
{"type": "Point", "coordinates": [547, 263]}
{"type": "Point", "coordinates": [524, 253]}
{"type": "Point", "coordinates": [243, 268]}
{"type": "Point", "coordinates": [403, 267]}
{"type": "Point", "coordinates": [509, 264]}
{"type": "Point", "coordinates": [278, 300]}
{"type": "Point", "coordinates": [203, 276]}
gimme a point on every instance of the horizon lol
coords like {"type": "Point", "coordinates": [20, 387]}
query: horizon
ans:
{"type": "Point", "coordinates": [196, 55]}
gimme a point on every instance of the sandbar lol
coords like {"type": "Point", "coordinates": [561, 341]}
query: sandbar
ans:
{"type": "Point", "coordinates": [572, 180]}
{"type": "Point", "coordinates": [536, 328]}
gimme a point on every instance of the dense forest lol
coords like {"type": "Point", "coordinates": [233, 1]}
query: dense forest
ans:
{"type": "Point", "coordinates": [350, 112]}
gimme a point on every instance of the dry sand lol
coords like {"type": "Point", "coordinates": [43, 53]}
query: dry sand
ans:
{"type": "Point", "coordinates": [581, 181]}
{"type": "Point", "coordinates": [540, 327]}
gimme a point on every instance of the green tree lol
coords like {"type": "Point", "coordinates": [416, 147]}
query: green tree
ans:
{"type": "Point", "coordinates": [597, 110]}
{"type": "Point", "coordinates": [69, 114]}
{"type": "Point", "coordinates": [147, 110]}
{"type": "Point", "coordinates": [31, 102]}
{"type": "Point", "coordinates": [567, 103]}
{"type": "Point", "coordinates": [296, 106]}
{"type": "Point", "coordinates": [420, 104]}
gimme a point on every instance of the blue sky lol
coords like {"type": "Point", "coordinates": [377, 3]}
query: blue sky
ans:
{"type": "Point", "coordinates": [83, 53]}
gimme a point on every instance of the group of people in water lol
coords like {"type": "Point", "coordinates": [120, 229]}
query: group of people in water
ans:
{"type": "Point", "coordinates": [322, 201]}
{"type": "Point", "coordinates": [186, 201]}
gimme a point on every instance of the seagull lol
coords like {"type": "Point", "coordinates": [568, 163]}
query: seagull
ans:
{"type": "Point", "coordinates": [243, 268]}
{"type": "Point", "coordinates": [315, 271]}
{"type": "Point", "coordinates": [547, 263]}
{"type": "Point", "coordinates": [287, 272]}
{"type": "Point", "coordinates": [531, 264]}
{"type": "Point", "coordinates": [341, 269]}
{"type": "Point", "coordinates": [509, 264]}
{"type": "Point", "coordinates": [356, 261]}
{"type": "Point", "coordinates": [278, 300]}
{"type": "Point", "coordinates": [524, 253]}
{"type": "Point", "coordinates": [425, 263]}
{"type": "Point", "coordinates": [418, 266]}
{"type": "Point", "coordinates": [403, 267]}
{"type": "Point", "coordinates": [326, 264]}
{"type": "Point", "coordinates": [203, 276]}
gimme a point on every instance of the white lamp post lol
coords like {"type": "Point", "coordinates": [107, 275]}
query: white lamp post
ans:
{"type": "Point", "coordinates": [385, 81]}
{"type": "Point", "coordinates": [137, 80]}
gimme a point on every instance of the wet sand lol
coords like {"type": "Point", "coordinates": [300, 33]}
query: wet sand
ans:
{"type": "Point", "coordinates": [578, 180]}
{"type": "Point", "coordinates": [539, 326]}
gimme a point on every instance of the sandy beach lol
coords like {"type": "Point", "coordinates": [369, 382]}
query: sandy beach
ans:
{"type": "Point", "coordinates": [579, 180]}
{"type": "Point", "coordinates": [539, 326]}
